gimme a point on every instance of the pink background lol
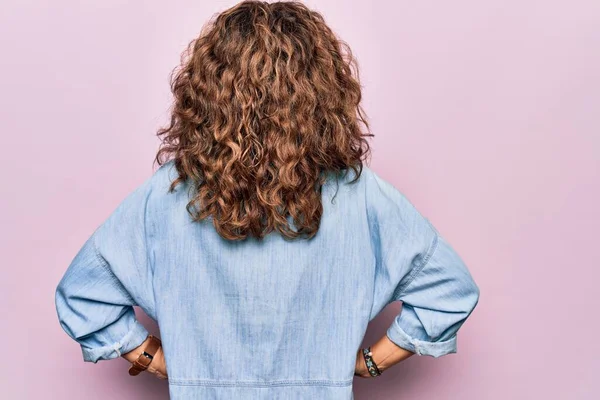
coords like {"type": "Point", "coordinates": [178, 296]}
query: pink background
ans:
{"type": "Point", "coordinates": [486, 115]}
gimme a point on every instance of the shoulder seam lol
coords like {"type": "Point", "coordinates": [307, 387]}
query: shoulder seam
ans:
{"type": "Point", "coordinates": [106, 266]}
{"type": "Point", "coordinates": [373, 251]}
{"type": "Point", "coordinates": [418, 268]}
{"type": "Point", "coordinates": [148, 192]}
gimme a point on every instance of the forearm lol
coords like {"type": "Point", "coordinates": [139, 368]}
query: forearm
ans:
{"type": "Point", "coordinates": [385, 354]}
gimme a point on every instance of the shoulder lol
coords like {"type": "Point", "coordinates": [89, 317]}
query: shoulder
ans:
{"type": "Point", "coordinates": [387, 205]}
{"type": "Point", "coordinates": [161, 179]}
{"type": "Point", "coordinates": [377, 193]}
{"type": "Point", "coordinates": [156, 188]}
{"type": "Point", "coordinates": [380, 192]}
{"type": "Point", "coordinates": [369, 181]}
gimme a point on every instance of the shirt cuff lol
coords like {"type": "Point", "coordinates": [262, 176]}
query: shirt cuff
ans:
{"type": "Point", "coordinates": [421, 347]}
{"type": "Point", "coordinates": [132, 339]}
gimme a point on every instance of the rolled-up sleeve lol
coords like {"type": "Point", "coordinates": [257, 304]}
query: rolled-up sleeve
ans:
{"type": "Point", "coordinates": [108, 276]}
{"type": "Point", "coordinates": [417, 266]}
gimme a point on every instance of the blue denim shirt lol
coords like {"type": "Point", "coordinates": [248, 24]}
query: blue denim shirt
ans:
{"type": "Point", "coordinates": [264, 319]}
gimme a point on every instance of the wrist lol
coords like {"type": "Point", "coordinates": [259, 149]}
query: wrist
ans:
{"type": "Point", "coordinates": [133, 355]}
{"type": "Point", "coordinates": [378, 355]}
{"type": "Point", "coordinates": [372, 367]}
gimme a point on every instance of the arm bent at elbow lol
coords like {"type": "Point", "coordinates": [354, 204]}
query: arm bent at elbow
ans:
{"type": "Point", "coordinates": [95, 310]}
{"type": "Point", "coordinates": [437, 299]}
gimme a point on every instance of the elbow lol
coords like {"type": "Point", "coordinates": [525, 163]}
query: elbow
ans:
{"type": "Point", "coordinates": [470, 297]}
{"type": "Point", "coordinates": [59, 295]}
{"type": "Point", "coordinates": [463, 300]}
{"type": "Point", "coordinates": [69, 313]}
{"type": "Point", "coordinates": [59, 300]}
{"type": "Point", "coordinates": [60, 303]}
{"type": "Point", "coordinates": [474, 294]}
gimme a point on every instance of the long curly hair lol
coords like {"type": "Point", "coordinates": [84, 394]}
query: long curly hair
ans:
{"type": "Point", "coordinates": [266, 105]}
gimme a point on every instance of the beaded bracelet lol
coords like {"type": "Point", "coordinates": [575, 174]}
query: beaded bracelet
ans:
{"type": "Point", "coordinates": [371, 366]}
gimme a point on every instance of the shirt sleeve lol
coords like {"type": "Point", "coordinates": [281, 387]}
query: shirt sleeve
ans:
{"type": "Point", "coordinates": [417, 266]}
{"type": "Point", "coordinates": [106, 278]}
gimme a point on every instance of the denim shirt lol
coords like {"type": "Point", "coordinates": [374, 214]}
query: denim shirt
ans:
{"type": "Point", "coordinates": [270, 319]}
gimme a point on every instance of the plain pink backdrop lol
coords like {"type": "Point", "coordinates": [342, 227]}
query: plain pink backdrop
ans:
{"type": "Point", "coordinates": [486, 115]}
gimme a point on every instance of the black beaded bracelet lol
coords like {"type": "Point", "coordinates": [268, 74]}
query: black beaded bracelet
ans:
{"type": "Point", "coordinates": [371, 366]}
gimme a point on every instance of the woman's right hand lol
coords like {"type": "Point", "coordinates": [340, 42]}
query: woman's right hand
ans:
{"type": "Point", "coordinates": [158, 366]}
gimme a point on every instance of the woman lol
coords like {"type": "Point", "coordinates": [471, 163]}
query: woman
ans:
{"type": "Point", "coordinates": [262, 245]}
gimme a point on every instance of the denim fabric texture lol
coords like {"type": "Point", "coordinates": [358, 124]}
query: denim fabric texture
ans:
{"type": "Point", "coordinates": [270, 319]}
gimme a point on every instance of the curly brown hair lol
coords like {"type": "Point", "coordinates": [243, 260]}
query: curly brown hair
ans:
{"type": "Point", "coordinates": [266, 103]}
